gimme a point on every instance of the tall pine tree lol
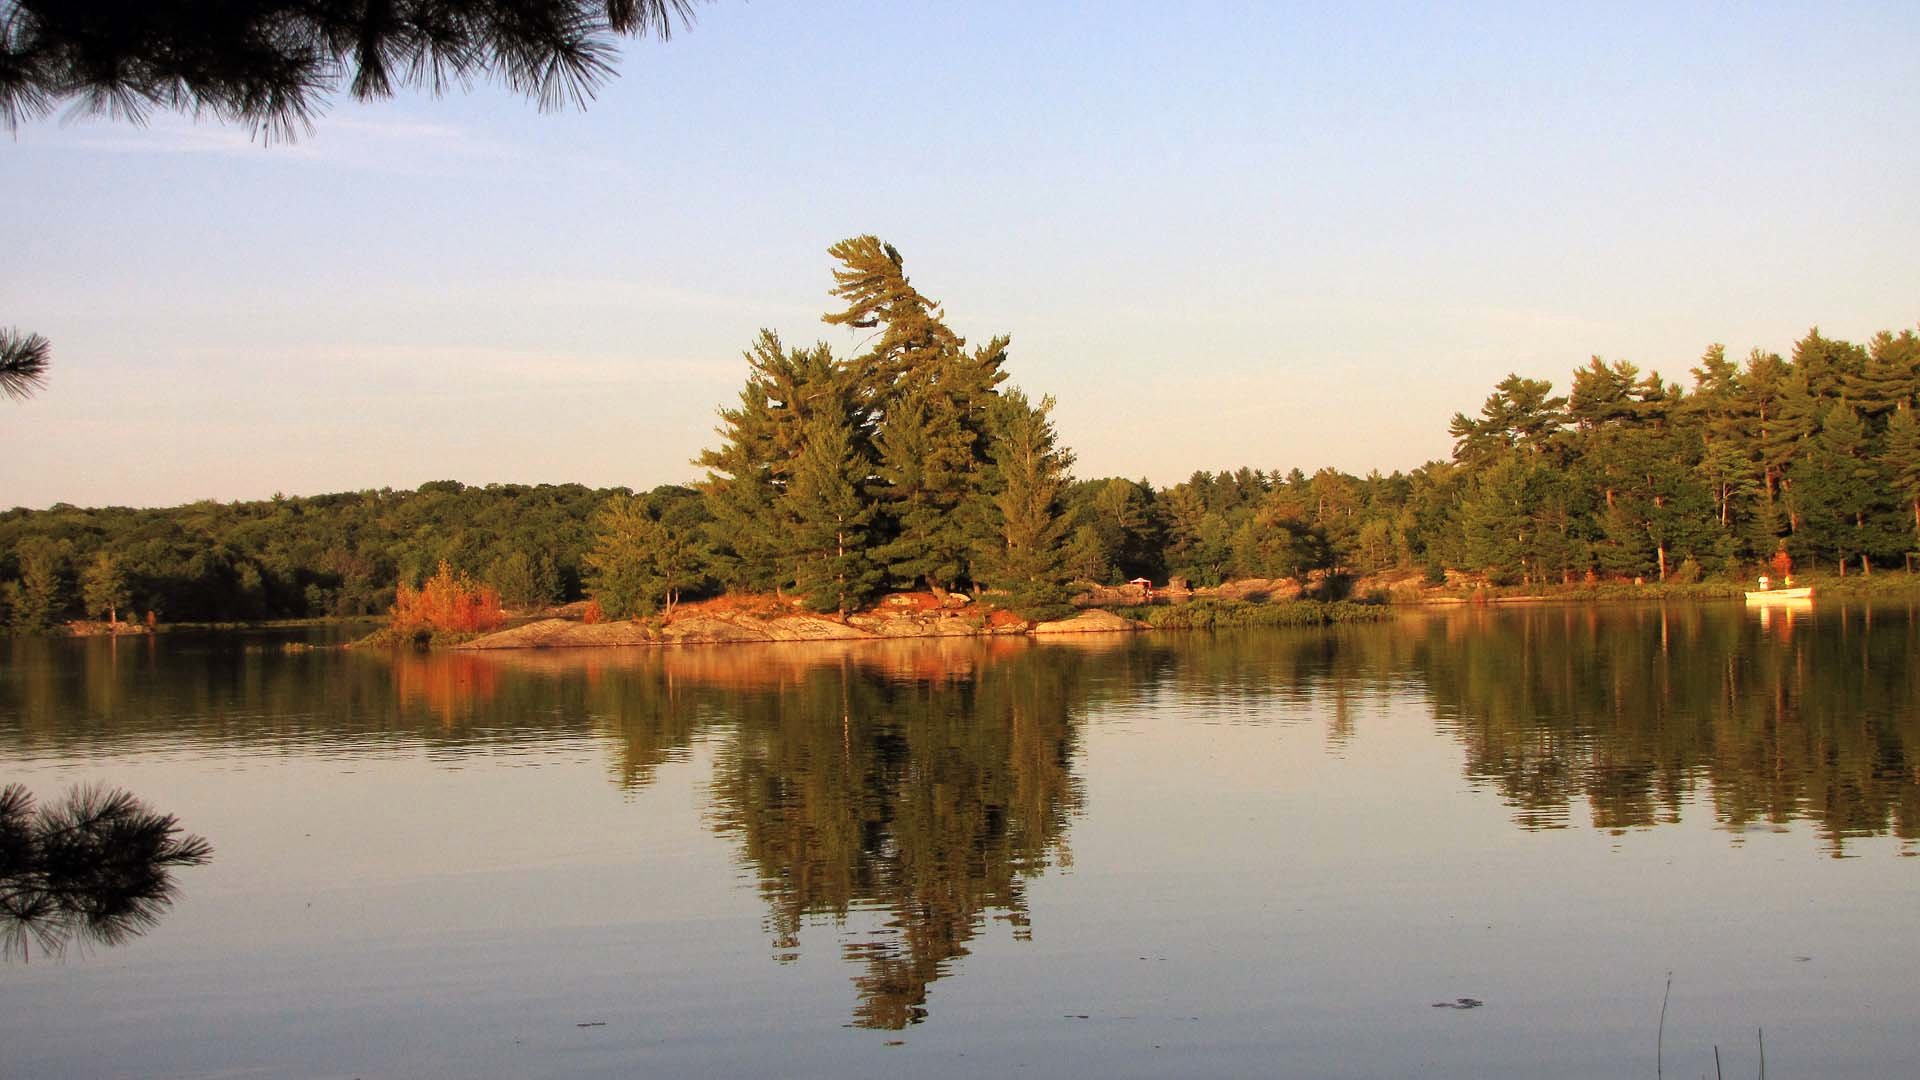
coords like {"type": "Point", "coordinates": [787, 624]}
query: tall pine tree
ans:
{"type": "Point", "coordinates": [829, 516]}
{"type": "Point", "coordinates": [1023, 553]}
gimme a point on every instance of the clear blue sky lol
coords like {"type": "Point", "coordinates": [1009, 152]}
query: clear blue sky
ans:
{"type": "Point", "coordinates": [1219, 234]}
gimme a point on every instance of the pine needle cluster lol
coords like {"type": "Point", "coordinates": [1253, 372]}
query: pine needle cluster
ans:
{"type": "Point", "coordinates": [274, 63]}
{"type": "Point", "coordinates": [94, 866]}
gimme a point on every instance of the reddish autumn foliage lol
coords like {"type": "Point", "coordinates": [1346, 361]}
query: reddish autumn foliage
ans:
{"type": "Point", "coordinates": [445, 604]}
{"type": "Point", "coordinates": [1782, 563]}
{"type": "Point", "coordinates": [591, 613]}
{"type": "Point", "coordinates": [452, 685]}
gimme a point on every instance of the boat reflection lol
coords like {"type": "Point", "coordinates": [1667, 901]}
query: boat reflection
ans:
{"type": "Point", "coordinates": [1779, 615]}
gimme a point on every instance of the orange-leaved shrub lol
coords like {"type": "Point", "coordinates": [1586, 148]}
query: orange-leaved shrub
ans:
{"type": "Point", "coordinates": [445, 603]}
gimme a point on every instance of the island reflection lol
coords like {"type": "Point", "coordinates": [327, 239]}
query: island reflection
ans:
{"type": "Point", "coordinates": [913, 789]}
{"type": "Point", "coordinates": [915, 786]}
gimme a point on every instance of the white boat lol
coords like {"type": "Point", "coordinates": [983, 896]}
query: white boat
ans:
{"type": "Point", "coordinates": [1781, 596]}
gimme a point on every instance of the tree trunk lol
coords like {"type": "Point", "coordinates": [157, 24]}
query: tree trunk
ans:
{"type": "Point", "coordinates": [1661, 549]}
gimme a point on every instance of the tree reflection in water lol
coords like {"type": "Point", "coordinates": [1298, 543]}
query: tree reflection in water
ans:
{"type": "Point", "coordinates": [1777, 716]}
{"type": "Point", "coordinates": [96, 867]}
{"type": "Point", "coordinates": [912, 790]}
{"type": "Point", "coordinates": [924, 804]}
{"type": "Point", "coordinates": [911, 787]}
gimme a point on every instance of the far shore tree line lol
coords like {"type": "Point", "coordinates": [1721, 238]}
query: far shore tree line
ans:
{"type": "Point", "coordinates": [910, 465]}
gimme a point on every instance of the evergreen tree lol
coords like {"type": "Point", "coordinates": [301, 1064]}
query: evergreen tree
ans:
{"type": "Point", "coordinates": [1122, 514]}
{"type": "Point", "coordinates": [1890, 377]}
{"type": "Point", "coordinates": [1335, 507]}
{"type": "Point", "coordinates": [1901, 460]}
{"type": "Point", "coordinates": [1554, 511]}
{"type": "Point", "coordinates": [1603, 394]}
{"type": "Point", "coordinates": [1185, 509]}
{"type": "Point", "coordinates": [1024, 554]}
{"type": "Point", "coordinates": [830, 515]}
{"type": "Point", "coordinates": [1794, 420]}
{"type": "Point", "coordinates": [763, 438]}
{"type": "Point", "coordinates": [24, 358]}
{"type": "Point", "coordinates": [1839, 492]}
{"type": "Point", "coordinates": [620, 573]}
{"type": "Point", "coordinates": [1520, 412]}
{"type": "Point", "coordinates": [929, 399]}
{"type": "Point", "coordinates": [274, 64]}
{"type": "Point", "coordinates": [1728, 474]}
{"type": "Point", "coordinates": [1762, 386]}
{"type": "Point", "coordinates": [1431, 516]}
{"type": "Point", "coordinates": [1624, 548]}
{"type": "Point", "coordinates": [1374, 546]}
{"type": "Point", "coordinates": [1496, 521]}
{"type": "Point", "coordinates": [1827, 364]}
{"type": "Point", "coordinates": [927, 474]}
{"type": "Point", "coordinates": [1716, 381]}
{"type": "Point", "coordinates": [647, 552]}
{"type": "Point", "coordinates": [1213, 552]}
{"type": "Point", "coordinates": [1088, 558]}
{"type": "Point", "coordinates": [914, 343]}
{"type": "Point", "coordinates": [1720, 412]}
{"type": "Point", "coordinates": [1267, 546]}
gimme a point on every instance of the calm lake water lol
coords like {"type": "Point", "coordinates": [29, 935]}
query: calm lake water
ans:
{"type": "Point", "coordinates": [1262, 853]}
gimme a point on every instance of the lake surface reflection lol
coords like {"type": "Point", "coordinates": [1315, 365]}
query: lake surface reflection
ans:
{"type": "Point", "coordinates": [1266, 852]}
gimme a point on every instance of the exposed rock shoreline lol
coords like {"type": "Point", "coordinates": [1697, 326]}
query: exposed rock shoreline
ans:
{"type": "Point", "coordinates": [96, 628]}
{"type": "Point", "coordinates": [716, 628]}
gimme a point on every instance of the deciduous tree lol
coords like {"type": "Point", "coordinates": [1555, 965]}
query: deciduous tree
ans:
{"type": "Point", "coordinates": [103, 586]}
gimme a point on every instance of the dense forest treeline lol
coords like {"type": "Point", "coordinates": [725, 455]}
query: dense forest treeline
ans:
{"type": "Point", "coordinates": [294, 557]}
{"type": "Point", "coordinates": [910, 465]}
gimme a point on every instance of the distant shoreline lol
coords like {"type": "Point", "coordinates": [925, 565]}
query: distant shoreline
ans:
{"type": "Point", "coordinates": [1216, 608]}
{"type": "Point", "coordinates": [1883, 585]}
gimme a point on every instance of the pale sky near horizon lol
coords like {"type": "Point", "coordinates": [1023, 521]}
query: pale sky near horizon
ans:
{"type": "Point", "coordinates": [1219, 235]}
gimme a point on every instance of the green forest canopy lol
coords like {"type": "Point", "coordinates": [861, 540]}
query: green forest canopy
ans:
{"type": "Point", "coordinates": [911, 464]}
